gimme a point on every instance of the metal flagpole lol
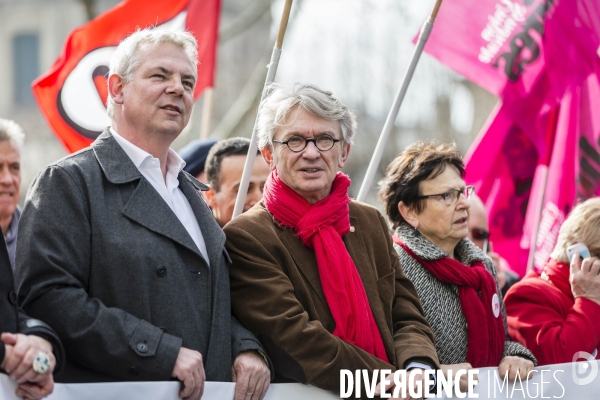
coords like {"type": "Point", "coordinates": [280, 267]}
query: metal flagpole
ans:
{"type": "Point", "coordinates": [389, 122]}
{"type": "Point", "coordinates": [243, 189]}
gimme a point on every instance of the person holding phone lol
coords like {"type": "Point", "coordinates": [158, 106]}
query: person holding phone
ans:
{"type": "Point", "coordinates": [548, 311]}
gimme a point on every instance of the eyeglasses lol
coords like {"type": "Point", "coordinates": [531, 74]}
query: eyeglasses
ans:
{"type": "Point", "coordinates": [451, 196]}
{"type": "Point", "coordinates": [298, 143]}
{"type": "Point", "coordinates": [480, 234]}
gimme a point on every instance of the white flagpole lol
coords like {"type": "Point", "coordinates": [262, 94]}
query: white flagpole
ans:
{"type": "Point", "coordinates": [243, 189]}
{"type": "Point", "coordinates": [389, 122]}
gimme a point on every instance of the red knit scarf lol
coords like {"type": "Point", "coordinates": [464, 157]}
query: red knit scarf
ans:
{"type": "Point", "coordinates": [321, 226]}
{"type": "Point", "coordinates": [558, 272]}
{"type": "Point", "coordinates": [485, 330]}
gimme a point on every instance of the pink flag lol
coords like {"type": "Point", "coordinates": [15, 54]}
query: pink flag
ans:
{"type": "Point", "coordinates": [540, 152]}
{"type": "Point", "coordinates": [523, 188]}
{"type": "Point", "coordinates": [490, 41]}
{"type": "Point", "coordinates": [506, 46]}
{"type": "Point", "coordinates": [502, 166]}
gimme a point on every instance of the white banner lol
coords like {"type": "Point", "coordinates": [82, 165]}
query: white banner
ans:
{"type": "Point", "coordinates": [162, 391]}
{"type": "Point", "coordinates": [562, 381]}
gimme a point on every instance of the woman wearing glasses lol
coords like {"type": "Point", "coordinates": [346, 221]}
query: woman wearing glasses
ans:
{"type": "Point", "coordinates": [427, 202]}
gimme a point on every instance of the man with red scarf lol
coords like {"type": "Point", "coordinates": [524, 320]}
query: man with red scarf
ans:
{"type": "Point", "coordinates": [314, 274]}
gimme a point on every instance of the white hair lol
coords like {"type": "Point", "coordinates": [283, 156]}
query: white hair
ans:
{"type": "Point", "coordinates": [126, 58]}
{"type": "Point", "coordinates": [582, 225]}
{"type": "Point", "coordinates": [11, 132]}
{"type": "Point", "coordinates": [274, 110]}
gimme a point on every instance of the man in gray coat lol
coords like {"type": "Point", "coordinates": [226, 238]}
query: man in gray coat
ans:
{"type": "Point", "coordinates": [118, 251]}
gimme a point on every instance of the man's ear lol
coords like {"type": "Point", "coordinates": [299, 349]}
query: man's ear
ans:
{"type": "Point", "coordinates": [409, 214]}
{"type": "Point", "coordinates": [115, 88]}
{"type": "Point", "coordinates": [267, 153]}
{"type": "Point", "coordinates": [344, 155]}
{"type": "Point", "coordinates": [211, 197]}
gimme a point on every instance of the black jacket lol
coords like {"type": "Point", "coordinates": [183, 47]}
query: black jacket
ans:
{"type": "Point", "coordinates": [14, 320]}
{"type": "Point", "coordinates": [107, 264]}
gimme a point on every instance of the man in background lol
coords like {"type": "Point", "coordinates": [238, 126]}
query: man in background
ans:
{"type": "Point", "coordinates": [479, 234]}
{"type": "Point", "coordinates": [224, 168]}
{"type": "Point", "coordinates": [194, 154]}
{"type": "Point", "coordinates": [11, 143]}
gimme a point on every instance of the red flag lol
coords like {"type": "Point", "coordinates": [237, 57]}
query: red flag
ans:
{"type": "Point", "coordinates": [541, 150]}
{"type": "Point", "coordinates": [72, 95]}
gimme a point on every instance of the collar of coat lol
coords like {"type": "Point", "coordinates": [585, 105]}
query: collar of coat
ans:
{"type": "Point", "coordinates": [119, 168]}
{"type": "Point", "coordinates": [466, 251]}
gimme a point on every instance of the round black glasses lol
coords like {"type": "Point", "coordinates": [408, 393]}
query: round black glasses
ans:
{"type": "Point", "coordinates": [298, 143]}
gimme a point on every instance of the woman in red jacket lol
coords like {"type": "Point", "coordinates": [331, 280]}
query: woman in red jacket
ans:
{"type": "Point", "coordinates": [556, 314]}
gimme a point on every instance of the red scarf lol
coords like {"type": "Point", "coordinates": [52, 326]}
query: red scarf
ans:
{"type": "Point", "coordinates": [321, 226]}
{"type": "Point", "coordinates": [485, 330]}
{"type": "Point", "coordinates": [558, 272]}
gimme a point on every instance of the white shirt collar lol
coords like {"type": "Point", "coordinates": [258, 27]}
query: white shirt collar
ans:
{"type": "Point", "coordinates": [141, 158]}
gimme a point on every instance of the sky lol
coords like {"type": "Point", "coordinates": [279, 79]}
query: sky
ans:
{"type": "Point", "coordinates": [360, 50]}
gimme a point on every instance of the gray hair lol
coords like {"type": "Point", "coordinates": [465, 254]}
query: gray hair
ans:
{"type": "Point", "coordinates": [11, 132]}
{"type": "Point", "coordinates": [126, 58]}
{"type": "Point", "coordinates": [274, 110]}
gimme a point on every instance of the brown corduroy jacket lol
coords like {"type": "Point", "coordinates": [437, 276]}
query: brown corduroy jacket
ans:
{"type": "Point", "coordinates": [276, 293]}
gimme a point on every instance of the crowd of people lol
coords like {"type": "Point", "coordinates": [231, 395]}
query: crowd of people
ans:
{"type": "Point", "coordinates": [129, 268]}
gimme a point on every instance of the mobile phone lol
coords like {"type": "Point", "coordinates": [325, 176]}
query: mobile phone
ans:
{"type": "Point", "coordinates": [581, 248]}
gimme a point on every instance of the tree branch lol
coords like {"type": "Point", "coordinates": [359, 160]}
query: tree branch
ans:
{"type": "Point", "coordinates": [252, 91]}
{"type": "Point", "coordinates": [249, 16]}
{"type": "Point", "coordinates": [246, 101]}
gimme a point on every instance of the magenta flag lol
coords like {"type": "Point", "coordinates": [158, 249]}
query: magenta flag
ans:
{"type": "Point", "coordinates": [508, 46]}
{"type": "Point", "coordinates": [523, 188]}
{"type": "Point", "coordinates": [482, 39]}
{"type": "Point", "coordinates": [502, 166]}
{"type": "Point", "coordinates": [540, 151]}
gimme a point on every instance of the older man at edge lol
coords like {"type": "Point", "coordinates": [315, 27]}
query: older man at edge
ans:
{"type": "Point", "coordinates": [118, 251]}
{"type": "Point", "coordinates": [11, 142]}
{"type": "Point", "coordinates": [314, 274]}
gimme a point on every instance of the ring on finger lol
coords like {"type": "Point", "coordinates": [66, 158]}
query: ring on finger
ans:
{"type": "Point", "coordinates": [41, 363]}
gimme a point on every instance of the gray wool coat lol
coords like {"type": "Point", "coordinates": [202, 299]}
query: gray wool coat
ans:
{"type": "Point", "coordinates": [107, 264]}
{"type": "Point", "coordinates": [441, 304]}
